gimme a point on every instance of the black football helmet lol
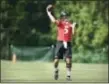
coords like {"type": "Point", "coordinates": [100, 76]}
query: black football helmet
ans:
{"type": "Point", "coordinates": [63, 14]}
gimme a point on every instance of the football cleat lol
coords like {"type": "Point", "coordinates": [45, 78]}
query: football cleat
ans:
{"type": "Point", "coordinates": [68, 78]}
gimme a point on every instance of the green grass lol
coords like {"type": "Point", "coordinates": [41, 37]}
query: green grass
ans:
{"type": "Point", "coordinates": [43, 72]}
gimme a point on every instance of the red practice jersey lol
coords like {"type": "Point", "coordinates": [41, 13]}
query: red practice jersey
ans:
{"type": "Point", "coordinates": [64, 31]}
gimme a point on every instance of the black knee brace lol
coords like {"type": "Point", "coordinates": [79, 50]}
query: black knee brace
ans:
{"type": "Point", "coordinates": [56, 65]}
{"type": "Point", "coordinates": [68, 65]}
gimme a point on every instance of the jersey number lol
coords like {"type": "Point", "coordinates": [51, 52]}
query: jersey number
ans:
{"type": "Point", "coordinates": [66, 30]}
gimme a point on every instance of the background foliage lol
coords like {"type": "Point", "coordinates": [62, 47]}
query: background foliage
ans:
{"type": "Point", "coordinates": [25, 22]}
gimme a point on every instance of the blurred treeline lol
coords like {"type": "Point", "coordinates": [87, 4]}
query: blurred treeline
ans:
{"type": "Point", "coordinates": [25, 23]}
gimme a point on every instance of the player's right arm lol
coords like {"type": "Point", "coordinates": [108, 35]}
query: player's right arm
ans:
{"type": "Point", "coordinates": [52, 18]}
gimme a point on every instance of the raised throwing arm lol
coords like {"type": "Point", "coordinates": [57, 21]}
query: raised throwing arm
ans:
{"type": "Point", "coordinates": [52, 18]}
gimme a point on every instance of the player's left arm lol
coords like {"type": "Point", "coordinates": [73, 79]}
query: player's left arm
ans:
{"type": "Point", "coordinates": [73, 27]}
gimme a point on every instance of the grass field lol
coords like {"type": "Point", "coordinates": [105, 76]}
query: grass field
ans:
{"type": "Point", "coordinates": [43, 72]}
